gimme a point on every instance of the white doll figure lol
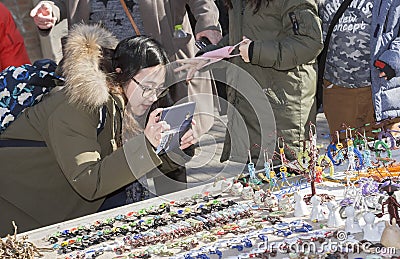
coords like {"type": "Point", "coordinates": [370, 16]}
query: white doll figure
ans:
{"type": "Point", "coordinates": [247, 192]}
{"type": "Point", "coordinates": [316, 210]}
{"type": "Point", "coordinates": [284, 204]}
{"type": "Point", "coordinates": [391, 235]}
{"type": "Point", "coordinates": [270, 200]}
{"type": "Point", "coordinates": [237, 189]}
{"type": "Point", "coordinates": [334, 219]}
{"type": "Point", "coordinates": [351, 225]}
{"type": "Point", "coordinates": [226, 185]}
{"type": "Point", "coordinates": [371, 230]}
{"type": "Point", "coordinates": [259, 196]}
{"type": "Point", "coordinates": [300, 207]}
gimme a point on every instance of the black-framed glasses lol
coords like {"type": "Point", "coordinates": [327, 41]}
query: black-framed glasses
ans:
{"type": "Point", "coordinates": [150, 91]}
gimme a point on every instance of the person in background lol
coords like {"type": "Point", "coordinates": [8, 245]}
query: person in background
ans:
{"type": "Point", "coordinates": [280, 43]}
{"type": "Point", "coordinates": [223, 16]}
{"type": "Point", "coordinates": [362, 72]}
{"type": "Point", "coordinates": [156, 18]}
{"type": "Point", "coordinates": [69, 165]}
{"type": "Point", "coordinates": [12, 46]}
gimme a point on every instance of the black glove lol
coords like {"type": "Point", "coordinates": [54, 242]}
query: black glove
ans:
{"type": "Point", "coordinates": [202, 42]}
{"type": "Point", "coordinates": [385, 68]}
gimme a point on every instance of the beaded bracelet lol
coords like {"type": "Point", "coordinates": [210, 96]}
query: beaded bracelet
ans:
{"type": "Point", "coordinates": [183, 228]}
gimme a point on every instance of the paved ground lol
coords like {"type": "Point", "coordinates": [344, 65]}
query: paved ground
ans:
{"type": "Point", "coordinates": [205, 166]}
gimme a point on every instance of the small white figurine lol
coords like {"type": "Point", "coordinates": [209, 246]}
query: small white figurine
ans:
{"type": "Point", "coordinates": [391, 235]}
{"type": "Point", "coordinates": [247, 192]}
{"type": "Point", "coordinates": [259, 196]}
{"type": "Point", "coordinates": [300, 207]}
{"type": "Point", "coordinates": [371, 230]}
{"type": "Point", "coordinates": [270, 200]}
{"type": "Point", "coordinates": [226, 185]}
{"type": "Point", "coordinates": [334, 219]}
{"type": "Point", "coordinates": [316, 210]}
{"type": "Point", "coordinates": [284, 204]}
{"type": "Point", "coordinates": [237, 189]}
{"type": "Point", "coordinates": [351, 225]}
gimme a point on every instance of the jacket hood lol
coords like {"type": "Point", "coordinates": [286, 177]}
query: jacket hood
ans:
{"type": "Point", "coordinates": [85, 82]}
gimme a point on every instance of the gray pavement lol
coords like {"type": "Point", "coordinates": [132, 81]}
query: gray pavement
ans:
{"type": "Point", "coordinates": [205, 166]}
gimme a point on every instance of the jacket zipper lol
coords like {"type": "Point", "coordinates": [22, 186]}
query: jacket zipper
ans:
{"type": "Point", "coordinates": [378, 26]}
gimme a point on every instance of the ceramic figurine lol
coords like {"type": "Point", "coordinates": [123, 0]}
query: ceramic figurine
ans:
{"type": "Point", "coordinates": [237, 189]}
{"type": "Point", "coordinates": [259, 196]}
{"type": "Point", "coordinates": [247, 192]}
{"type": "Point", "coordinates": [284, 204]}
{"type": "Point", "coordinates": [300, 207]}
{"type": "Point", "coordinates": [270, 200]}
{"type": "Point", "coordinates": [351, 225]}
{"type": "Point", "coordinates": [371, 230]}
{"type": "Point", "coordinates": [316, 210]}
{"type": "Point", "coordinates": [334, 219]}
{"type": "Point", "coordinates": [391, 235]}
{"type": "Point", "coordinates": [225, 185]}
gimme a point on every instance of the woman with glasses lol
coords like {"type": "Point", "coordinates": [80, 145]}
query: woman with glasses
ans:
{"type": "Point", "coordinates": [82, 142]}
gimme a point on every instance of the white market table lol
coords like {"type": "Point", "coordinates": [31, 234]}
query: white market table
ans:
{"type": "Point", "coordinates": [38, 236]}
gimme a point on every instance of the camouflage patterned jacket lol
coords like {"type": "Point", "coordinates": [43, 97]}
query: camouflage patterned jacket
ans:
{"type": "Point", "coordinates": [385, 46]}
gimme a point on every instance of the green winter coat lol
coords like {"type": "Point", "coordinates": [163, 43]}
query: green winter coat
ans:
{"type": "Point", "coordinates": [77, 168]}
{"type": "Point", "coordinates": [283, 63]}
{"type": "Point", "coordinates": [159, 18]}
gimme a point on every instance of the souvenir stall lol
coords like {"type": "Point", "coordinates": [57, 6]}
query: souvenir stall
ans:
{"type": "Point", "coordinates": [326, 210]}
{"type": "Point", "coordinates": [224, 220]}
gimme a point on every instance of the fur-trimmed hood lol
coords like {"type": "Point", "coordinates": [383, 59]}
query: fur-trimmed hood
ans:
{"type": "Point", "coordinates": [85, 83]}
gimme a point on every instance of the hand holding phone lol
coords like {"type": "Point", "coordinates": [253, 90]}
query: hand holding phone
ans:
{"type": "Point", "coordinates": [179, 118]}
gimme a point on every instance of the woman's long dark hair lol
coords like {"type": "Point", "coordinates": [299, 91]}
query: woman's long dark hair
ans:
{"type": "Point", "coordinates": [255, 3]}
{"type": "Point", "coordinates": [130, 56]}
{"type": "Point", "coordinates": [135, 53]}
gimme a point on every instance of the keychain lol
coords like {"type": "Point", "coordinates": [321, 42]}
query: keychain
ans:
{"type": "Point", "coordinates": [350, 151]}
{"type": "Point", "coordinates": [282, 168]}
{"type": "Point", "coordinates": [266, 177]}
{"type": "Point", "coordinates": [250, 167]}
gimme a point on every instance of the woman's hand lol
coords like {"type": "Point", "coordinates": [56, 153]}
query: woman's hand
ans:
{"type": "Point", "coordinates": [42, 15]}
{"type": "Point", "coordinates": [188, 138]}
{"type": "Point", "coordinates": [192, 65]}
{"type": "Point", "coordinates": [244, 49]}
{"type": "Point", "coordinates": [155, 128]}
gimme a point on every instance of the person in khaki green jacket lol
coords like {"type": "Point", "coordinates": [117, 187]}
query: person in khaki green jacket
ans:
{"type": "Point", "coordinates": [281, 40]}
{"type": "Point", "coordinates": [55, 165]}
{"type": "Point", "coordinates": [156, 18]}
